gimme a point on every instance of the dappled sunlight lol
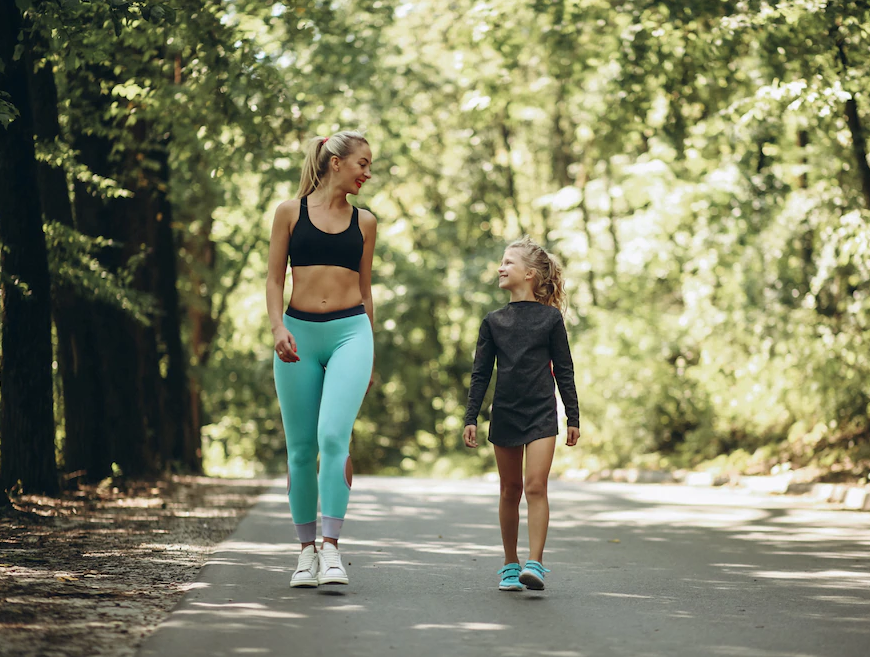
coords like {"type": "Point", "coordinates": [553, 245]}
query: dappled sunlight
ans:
{"type": "Point", "coordinates": [626, 595]}
{"type": "Point", "coordinates": [826, 578]}
{"type": "Point", "coordinates": [841, 599]}
{"type": "Point", "coordinates": [740, 651]}
{"type": "Point", "coordinates": [420, 545]}
{"type": "Point", "coordinates": [675, 516]}
{"type": "Point", "coordinates": [238, 612]}
{"type": "Point", "coordinates": [249, 548]}
{"type": "Point", "coordinates": [462, 627]}
{"type": "Point", "coordinates": [422, 567]}
{"type": "Point", "coordinates": [374, 512]}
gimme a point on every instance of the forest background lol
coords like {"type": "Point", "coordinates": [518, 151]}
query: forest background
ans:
{"type": "Point", "coordinates": [699, 168]}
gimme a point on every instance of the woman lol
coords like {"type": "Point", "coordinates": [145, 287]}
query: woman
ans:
{"type": "Point", "coordinates": [323, 342]}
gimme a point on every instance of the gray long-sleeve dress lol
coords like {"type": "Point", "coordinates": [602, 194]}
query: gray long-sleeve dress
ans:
{"type": "Point", "coordinates": [524, 337]}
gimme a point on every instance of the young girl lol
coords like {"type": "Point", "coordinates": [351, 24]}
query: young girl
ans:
{"type": "Point", "coordinates": [525, 337]}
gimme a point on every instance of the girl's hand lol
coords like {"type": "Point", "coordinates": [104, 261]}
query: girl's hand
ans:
{"type": "Point", "coordinates": [285, 345]}
{"type": "Point", "coordinates": [470, 435]}
{"type": "Point", "coordinates": [573, 436]}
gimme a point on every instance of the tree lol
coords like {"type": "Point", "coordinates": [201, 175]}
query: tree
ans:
{"type": "Point", "coordinates": [26, 415]}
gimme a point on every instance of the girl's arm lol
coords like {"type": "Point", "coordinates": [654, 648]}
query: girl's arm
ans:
{"type": "Point", "coordinates": [481, 373]}
{"type": "Point", "coordinates": [563, 370]}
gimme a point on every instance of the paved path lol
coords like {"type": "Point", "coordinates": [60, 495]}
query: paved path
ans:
{"type": "Point", "coordinates": [639, 570]}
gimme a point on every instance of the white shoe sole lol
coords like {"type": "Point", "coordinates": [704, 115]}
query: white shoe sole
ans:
{"type": "Point", "coordinates": [304, 582]}
{"type": "Point", "coordinates": [532, 581]}
{"type": "Point", "coordinates": [332, 579]}
{"type": "Point", "coordinates": [511, 587]}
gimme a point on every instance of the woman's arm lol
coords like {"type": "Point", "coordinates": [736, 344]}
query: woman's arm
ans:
{"type": "Point", "coordinates": [285, 344]}
{"type": "Point", "coordinates": [368, 224]}
{"type": "Point", "coordinates": [369, 228]}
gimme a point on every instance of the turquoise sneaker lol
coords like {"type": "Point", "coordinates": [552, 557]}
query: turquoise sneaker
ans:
{"type": "Point", "coordinates": [510, 581]}
{"type": "Point", "coordinates": [533, 575]}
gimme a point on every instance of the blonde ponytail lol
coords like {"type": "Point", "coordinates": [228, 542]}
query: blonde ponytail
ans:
{"type": "Point", "coordinates": [319, 151]}
{"type": "Point", "coordinates": [549, 282]}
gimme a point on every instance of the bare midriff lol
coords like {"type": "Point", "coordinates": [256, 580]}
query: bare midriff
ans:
{"type": "Point", "coordinates": [324, 288]}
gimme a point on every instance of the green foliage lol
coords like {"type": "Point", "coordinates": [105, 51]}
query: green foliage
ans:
{"type": "Point", "coordinates": [8, 111]}
{"type": "Point", "coordinates": [74, 263]}
{"type": "Point", "coordinates": [695, 168]}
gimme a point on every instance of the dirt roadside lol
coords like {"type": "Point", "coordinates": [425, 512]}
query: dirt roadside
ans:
{"type": "Point", "coordinates": [93, 572]}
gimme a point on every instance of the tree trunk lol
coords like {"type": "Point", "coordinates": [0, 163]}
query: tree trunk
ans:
{"type": "Point", "coordinates": [180, 443]}
{"type": "Point", "coordinates": [803, 142]}
{"type": "Point", "coordinates": [125, 411]}
{"type": "Point", "coordinates": [853, 119]}
{"type": "Point", "coordinates": [859, 148]}
{"type": "Point", "coordinates": [85, 448]}
{"type": "Point", "coordinates": [582, 181]}
{"type": "Point", "coordinates": [562, 140]}
{"type": "Point", "coordinates": [510, 182]}
{"type": "Point", "coordinates": [203, 328]}
{"type": "Point", "coordinates": [26, 402]}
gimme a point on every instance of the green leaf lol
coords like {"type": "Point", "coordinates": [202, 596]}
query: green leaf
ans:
{"type": "Point", "coordinates": [169, 13]}
{"type": "Point", "coordinates": [19, 50]}
{"type": "Point", "coordinates": [24, 5]}
{"type": "Point", "coordinates": [8, 111]}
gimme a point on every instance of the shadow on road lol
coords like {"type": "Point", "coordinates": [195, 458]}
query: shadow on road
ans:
{"type": "Point", "coordinates": [637, 570]}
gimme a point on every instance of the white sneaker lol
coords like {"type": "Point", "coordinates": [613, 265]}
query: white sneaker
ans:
{"type": "Point", "coordinates": [331, 570]}
{"type": "Point", "coordinates": [306, 569]}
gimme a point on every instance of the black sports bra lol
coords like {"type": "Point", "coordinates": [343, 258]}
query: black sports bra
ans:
{"type": "Point", "coordinates": [311, 246]}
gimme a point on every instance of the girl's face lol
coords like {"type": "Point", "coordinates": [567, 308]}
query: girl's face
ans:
{"type": "Point", "coordinates": [352, 172]}
{"type": "Point", "coordinates": [513, 273]}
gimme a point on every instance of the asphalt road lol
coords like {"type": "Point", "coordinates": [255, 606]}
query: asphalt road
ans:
{"type": "Point", "coordinates": [639, 570]}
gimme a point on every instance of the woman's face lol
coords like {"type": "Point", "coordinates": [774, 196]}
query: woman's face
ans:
{"type": "Point", "coordinates": [513, 272]}
{"type": "Point", "coordinates": [353, 171]}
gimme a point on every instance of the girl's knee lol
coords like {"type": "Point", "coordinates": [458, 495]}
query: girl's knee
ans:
{"type": "Point", "coordinates": [511, 490]}
{"type": "Point", "coordinates": [536, 488]}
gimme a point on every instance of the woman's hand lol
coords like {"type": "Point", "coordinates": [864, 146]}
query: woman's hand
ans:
{"type": "Point", "coordinates": [573, 436]}
{"type": "Point", "coordinates": [470, 435]}
{"type": "Point", "coordinates": [285, 345]}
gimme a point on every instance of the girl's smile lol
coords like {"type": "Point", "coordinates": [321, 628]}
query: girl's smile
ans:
{"type": "Point", "coordinates": [512, 273]}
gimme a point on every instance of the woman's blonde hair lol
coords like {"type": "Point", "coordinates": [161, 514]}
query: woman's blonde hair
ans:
{"type": "Point", "coordinates": [317, 156]}
{"type": "Point", "coordinates": [549, 284]}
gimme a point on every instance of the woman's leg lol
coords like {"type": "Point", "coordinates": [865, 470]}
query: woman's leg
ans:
{"type": "Point", "coordinates": [510, 474]}
{"type": "Point", "coordinates": [347, 377]}
{"type": "Point", "coordinates": [539, 458]}
{"type": "Point", "coordinates": [299, 390]}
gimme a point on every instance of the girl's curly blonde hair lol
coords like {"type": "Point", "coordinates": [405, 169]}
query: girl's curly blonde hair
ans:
{"type": "Point", "coordinates": [549, 283]}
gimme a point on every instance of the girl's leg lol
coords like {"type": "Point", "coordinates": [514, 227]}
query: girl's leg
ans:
{"type": "Point", "coordinates": [347, 377]}
{"type": "Point", "coordinates": [510, 474]}
{"type": "Point", "coordinates": [539, 458]}
{"type": "Point", "coordinates": [299, 389]}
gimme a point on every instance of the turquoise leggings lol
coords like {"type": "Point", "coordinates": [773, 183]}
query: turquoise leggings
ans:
{"type": "Point", "coordinates": [320, 396]}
